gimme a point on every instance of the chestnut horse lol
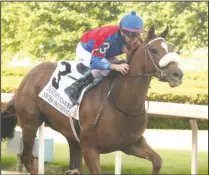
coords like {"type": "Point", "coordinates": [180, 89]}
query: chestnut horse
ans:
{"type": "Point", "coordinates": [123, 117]}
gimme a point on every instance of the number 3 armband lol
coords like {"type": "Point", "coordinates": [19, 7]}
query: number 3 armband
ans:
{"type": "Point", "coordinates": [103, 48]}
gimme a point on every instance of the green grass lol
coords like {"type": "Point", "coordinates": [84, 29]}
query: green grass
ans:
{"type": "Point", "coordinates": [174, 162]}
{"type": "Point", "coordinates": [188, 86]}
{"type": "Point", "coordinates": [192, 83]}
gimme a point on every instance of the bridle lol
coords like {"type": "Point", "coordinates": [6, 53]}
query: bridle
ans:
{"type": "Point", "coordinates": [158, 73]}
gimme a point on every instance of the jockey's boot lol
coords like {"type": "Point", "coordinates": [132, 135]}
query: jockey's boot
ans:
{"type": "Point", "coordinates": [76, 88]}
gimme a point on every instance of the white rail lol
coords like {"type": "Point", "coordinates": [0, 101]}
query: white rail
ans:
{"type": "Point", "coordinates": [41, 150]}
{"type": "Point", "coordinates": [156, 109]}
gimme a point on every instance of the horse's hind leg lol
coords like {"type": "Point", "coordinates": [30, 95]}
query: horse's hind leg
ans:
{"type": "Point", "coordinates": [29, 120]}
{"type": "Point", "coordinates": [143, 150]}
{"type": "Point", "coordinates": [27, 158]}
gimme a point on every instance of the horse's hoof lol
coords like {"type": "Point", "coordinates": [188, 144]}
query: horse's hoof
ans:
{"type": "Point", "coordinates": [72, 172]}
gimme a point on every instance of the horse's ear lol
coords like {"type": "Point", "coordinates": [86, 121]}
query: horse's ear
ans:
{"type": "Point", "coordinates": [151, 33]}
{"type": "Point", "coordinates": [164, 33]}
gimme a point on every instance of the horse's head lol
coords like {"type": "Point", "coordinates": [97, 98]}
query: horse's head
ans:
{"type": "Point", "coordinates": [163, 63]}
{"type": "Point", "coordinates": [155, 60]}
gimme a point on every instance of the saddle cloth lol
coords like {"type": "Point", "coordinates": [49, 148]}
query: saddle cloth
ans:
{"type": "Point", "coordinates": [53, 93]}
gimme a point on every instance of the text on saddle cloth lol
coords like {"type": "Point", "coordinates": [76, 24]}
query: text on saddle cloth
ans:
{"type": "Point", "coordinates": [53, 93]}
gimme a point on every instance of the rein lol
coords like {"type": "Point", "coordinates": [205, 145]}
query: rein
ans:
{"type": "Point", "coordinates": [129, 75]}
{"type": "Point", "coordinates": [159, 73]}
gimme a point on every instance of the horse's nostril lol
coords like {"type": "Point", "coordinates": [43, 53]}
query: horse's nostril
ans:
{"type": "Point", "coordinates": [178, 75]}
{"type": "Point", "coordinates": [175, 74]}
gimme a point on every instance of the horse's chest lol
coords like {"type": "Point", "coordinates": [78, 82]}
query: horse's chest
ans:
{"type": "Point", "coordinates": [131, 134]}
{"type": "Point", "coordinates": [128, 138]}
{"type": "Point", "coordinates": [121, 134]}
{"type": "Point", "coordinates": [118, 141]}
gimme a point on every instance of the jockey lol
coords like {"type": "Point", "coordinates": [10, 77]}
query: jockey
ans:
{"type": "Point", "coordinates": [98, 47]}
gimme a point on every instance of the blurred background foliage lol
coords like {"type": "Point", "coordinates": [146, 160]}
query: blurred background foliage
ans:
{"type": "Point", "coordinates": [51, 30]}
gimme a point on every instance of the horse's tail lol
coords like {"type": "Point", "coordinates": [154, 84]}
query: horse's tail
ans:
{"type": "Point", "coordinates": [8, 121]}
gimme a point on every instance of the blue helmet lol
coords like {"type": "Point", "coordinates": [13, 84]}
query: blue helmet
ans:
{"type": "Point", "coordinates": [132, 23]}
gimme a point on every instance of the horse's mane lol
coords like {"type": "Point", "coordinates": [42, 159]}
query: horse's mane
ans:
{"type": "Point", "coordinates": [114, 74]}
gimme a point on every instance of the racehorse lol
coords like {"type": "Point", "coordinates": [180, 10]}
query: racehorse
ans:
{"type": "Point", "coordinates": [122, 121]}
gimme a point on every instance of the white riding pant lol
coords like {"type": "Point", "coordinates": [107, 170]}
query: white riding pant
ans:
{"type": "Point", "coordinates": [84, 57]}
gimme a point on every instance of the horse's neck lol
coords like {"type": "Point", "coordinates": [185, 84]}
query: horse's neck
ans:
{"type": "Point", "coordinates": [130, 93]}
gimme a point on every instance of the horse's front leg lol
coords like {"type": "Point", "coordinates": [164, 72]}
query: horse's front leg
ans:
{"type": "Point", "coordinates": [143, 150]}
{"type": "Point", "coordinates": [91, 157]}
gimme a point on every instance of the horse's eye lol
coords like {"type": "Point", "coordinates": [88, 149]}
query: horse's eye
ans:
{"type": "Point", "coordinates": [154, 51]}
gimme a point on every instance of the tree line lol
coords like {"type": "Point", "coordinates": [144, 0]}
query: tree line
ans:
{"type": "Point", "coordinates": [53, 29]}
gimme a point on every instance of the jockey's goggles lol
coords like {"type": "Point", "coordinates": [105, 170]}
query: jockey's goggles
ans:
{"type": "Point", "coordinates": [131, 35]}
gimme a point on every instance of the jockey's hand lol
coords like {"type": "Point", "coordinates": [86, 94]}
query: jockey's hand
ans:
{"type": "Point", "coordinates": [123, 68]}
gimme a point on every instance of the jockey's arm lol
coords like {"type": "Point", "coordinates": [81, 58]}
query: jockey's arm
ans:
{"type": "Point", "coordinates": [104, 64]}
{"type": "Point", "coordinates": [98, 60]}
{"type": "Point", "coordinates": [100, 63]}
